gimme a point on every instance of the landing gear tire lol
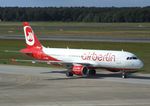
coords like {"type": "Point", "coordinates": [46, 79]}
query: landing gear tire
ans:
{"type": "Point", "coordinates": [124, 75]}
{"type": "Point", "coordinates": [85, 72]}
{"type": "Point", "coordinates": [69, 74]}
{"type": "Point", "coordinates": [92, 72]}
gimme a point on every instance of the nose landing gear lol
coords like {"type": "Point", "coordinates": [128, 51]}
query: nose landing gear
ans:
{"type": "Point", "coordinates": [124, 74]}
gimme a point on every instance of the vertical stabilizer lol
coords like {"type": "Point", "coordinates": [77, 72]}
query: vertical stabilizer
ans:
{"type": "Point", "coordinates": [30, 37]}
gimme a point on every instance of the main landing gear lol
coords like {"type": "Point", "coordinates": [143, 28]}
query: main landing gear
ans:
{"type": "Point", "coordinates": [69, 74]}
{"type": "Point", "coordinates": [85, 74]}
{"type": "Point", "coordinates": [92, 72]}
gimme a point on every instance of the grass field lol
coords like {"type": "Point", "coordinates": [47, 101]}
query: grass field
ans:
{"type": "Point", "coordinates": [60, 28]}
{"type": "Point", "coordinates": [142, 50]}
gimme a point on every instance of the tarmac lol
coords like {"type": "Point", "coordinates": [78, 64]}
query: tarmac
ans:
{"type": "Point", "coordinates": [93, 38]}
{"type": "Point", "coordinates": [45, 86]}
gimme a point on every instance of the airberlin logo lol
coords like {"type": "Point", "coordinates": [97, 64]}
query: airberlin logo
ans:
{"type": "Point", "coordinates": [108, 57]}
{"type": "Point", "coordinates": [29, 35]}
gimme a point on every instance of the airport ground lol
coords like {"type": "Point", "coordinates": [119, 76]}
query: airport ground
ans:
{"type": "Point", "coordinates": [125, 30]}
{"type": "Point", "coordinates": [39, 86]}
{"type": "Point", "coordinates": [45, 86]}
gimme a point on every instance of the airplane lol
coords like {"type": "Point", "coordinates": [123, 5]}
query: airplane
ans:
{"type": "Point", "coordinates": [81, 62]}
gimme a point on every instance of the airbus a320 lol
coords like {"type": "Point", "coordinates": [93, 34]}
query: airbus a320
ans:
{"type": "Point", "coordinates": [80, 62]}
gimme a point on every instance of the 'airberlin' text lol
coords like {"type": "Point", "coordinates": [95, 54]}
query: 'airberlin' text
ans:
{"type": "Point", "coordinates": [108, 57]}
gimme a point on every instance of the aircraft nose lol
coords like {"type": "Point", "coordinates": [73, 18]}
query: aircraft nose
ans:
{"type": "Point", "coordinates": [140, 64]}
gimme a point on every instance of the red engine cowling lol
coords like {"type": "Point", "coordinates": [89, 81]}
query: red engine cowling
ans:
{"type": "Point", "coordinates": [80, 70]}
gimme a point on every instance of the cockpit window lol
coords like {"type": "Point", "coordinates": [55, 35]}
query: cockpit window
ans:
{"type": "Point", "coordinates": [132, 58]}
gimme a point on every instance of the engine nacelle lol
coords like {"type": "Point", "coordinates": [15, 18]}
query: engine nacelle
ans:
{"type": "Point", "coordinates": [80, 70]}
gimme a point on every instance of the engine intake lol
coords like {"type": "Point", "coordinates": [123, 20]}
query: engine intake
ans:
{"type": "Point", "coordinates": [80, 70]}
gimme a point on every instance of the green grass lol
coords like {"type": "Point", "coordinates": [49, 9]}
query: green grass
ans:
{"type": "Point", "coordinates": [60, 28]}
{"type": "Point", "coordinates": [142, 50]}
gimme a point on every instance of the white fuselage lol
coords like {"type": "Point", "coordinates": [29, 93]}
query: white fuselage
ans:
{"type": "Point", "coordinates": [81, 62]}
{"type": "Point", "coordinates": [96, 58]}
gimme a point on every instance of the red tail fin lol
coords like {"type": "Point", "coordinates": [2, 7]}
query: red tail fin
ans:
{"type": "Point", "coordinates": [30, 37]}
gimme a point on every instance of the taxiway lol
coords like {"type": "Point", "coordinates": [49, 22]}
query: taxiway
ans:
{"type": "Point", "coordinates": [93, 38]}
{"type": "Point", "coordinates": [41, 86]}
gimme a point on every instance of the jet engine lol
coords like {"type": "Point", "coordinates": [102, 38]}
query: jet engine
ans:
{"type": "Point", "coordinates": [80, 70]}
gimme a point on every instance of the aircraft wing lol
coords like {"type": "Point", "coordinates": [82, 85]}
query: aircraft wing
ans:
{"type": "Point", "coordinates": [52, 62]}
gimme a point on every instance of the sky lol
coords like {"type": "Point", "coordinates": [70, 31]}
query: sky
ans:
{"type": "Point", "coordinates": [74, 3]}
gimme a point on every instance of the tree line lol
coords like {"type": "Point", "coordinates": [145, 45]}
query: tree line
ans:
{"type": "Point", "coordinates": [76, 14]}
